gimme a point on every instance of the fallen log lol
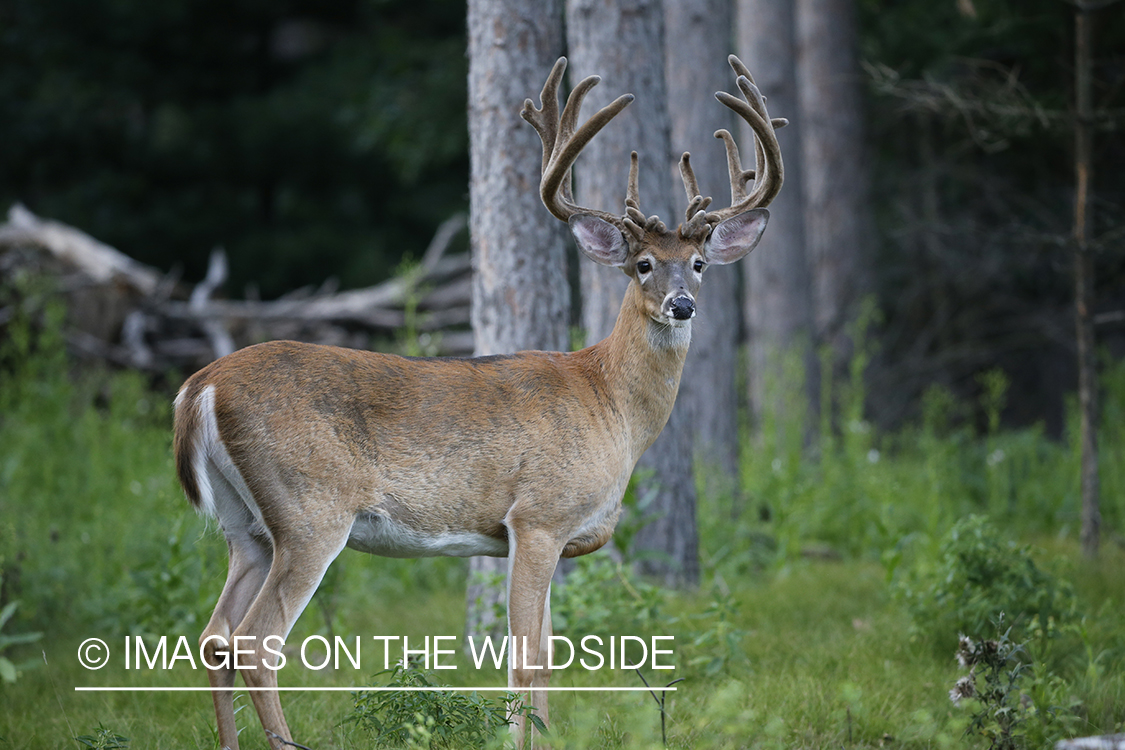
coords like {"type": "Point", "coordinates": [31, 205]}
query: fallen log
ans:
{"type": "Point", "coordinates": [131, 315]}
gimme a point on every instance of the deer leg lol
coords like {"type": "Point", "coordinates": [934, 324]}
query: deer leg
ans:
{"type": "Point", "coordinates": [542, 677]}
{"type": "Point", "coordinates": [299, 564]}
{"type": "Point", "coordinates": [532, 558]}
{"type": "Point", "coordinates": [249, 563]}
{"type": "Point", "coordinates": [249, 559]}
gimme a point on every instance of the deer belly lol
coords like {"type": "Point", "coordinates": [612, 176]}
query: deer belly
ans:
{"type": "Point", "coordinates": [377, 534]}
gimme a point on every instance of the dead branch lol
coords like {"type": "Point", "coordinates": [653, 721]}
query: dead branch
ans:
{"type": "Point", "coordinates": [96, 260]}
{"type": "Point", "coordinates": [154, 325]}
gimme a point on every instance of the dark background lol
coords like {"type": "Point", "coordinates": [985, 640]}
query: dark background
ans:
{"type": "Point", "coordinates": [316, 140]}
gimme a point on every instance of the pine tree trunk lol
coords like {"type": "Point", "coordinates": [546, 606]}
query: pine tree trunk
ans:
{"type": "Point", "coordinates": [835, 181]}
{"type": "Point", "coordinates": [695, 68]}
{"type": "Point", "coordinates": [778, 283]}
{"type": "Point", "coordinates": [521, 296]}
{"type": "Point", "coordinates": [623, 42]}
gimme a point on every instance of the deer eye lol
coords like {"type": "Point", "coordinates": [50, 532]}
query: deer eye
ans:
{"type": "Point", "coordinates": [643, 266]}
{"type": "Point", "coordinates": [698, 266]}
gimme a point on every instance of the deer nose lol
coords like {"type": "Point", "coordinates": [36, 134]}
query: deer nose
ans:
{"type": "Point", "coordinates": [683, 308]}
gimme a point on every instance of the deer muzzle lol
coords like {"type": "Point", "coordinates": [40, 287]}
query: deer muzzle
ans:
{"type": "Point", "coordinates": [680, 307]}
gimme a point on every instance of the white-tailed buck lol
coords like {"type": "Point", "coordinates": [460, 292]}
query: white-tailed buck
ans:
{"type": "Point", "coordinates": [301, 450]}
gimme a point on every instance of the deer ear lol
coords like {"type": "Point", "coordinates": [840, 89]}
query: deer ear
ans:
{"type": "Point", "coordinates": [601, 241]}
{"type": "Point", "coordinates": [735, 237]}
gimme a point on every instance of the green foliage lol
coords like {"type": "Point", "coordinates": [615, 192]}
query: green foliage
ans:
{"type": "Point", "coordinates": [1011, 702]}
{"type": "Point", "coordinates": [170, 591]}
{"type": "Point", "coordinates": [434, 718]}
{"type": "Point", "coordinates": [601, 596]}
{"type": "Point", "coordinates": [716, 642]}
{"type": "Point", "coordinates": [796, 644]}
{"type": "Point", "coordinates": [979, 576]}
{"type": "Point", "coordinates": [94, 452]}
{"type": "Point", "coordinates": [857, 491]}
{"type": "Point", "coordinates": [103, 739]}
{"type": "Point", "coordinates": [9, 673]}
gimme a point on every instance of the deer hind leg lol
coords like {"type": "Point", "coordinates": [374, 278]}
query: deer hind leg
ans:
{"type": "Point", "coordinates": [532, 558]}
{"type": "Point", "coordinates": [300, 560]}
{"type": "Point", "coordinates": [249, 565]}
{"type": "Point", "coordinates": [250, 556]}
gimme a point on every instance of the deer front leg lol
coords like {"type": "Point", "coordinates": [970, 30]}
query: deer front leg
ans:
{"type": "Point", "coordinates": [532, 558]}
{"type": "Point", "coordinates": [542, 678]}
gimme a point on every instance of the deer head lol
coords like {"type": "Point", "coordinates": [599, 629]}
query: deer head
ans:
{"type": "Point", "coordinates": [667, 264]}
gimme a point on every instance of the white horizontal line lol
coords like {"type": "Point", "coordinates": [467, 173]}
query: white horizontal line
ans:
{"type": "Point", "coordinates": [121, 689]}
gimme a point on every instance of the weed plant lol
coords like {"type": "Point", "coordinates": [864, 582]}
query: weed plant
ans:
{"type": "Point", "coordinates": [1011, 701]}
{"type": "Point", "coordinates": [9, 672]}
{"type": "Point", "coordinates": [103, 738]}
{"type": "Point", "coordinates": [434, 719]}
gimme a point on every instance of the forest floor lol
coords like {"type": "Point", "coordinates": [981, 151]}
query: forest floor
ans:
{"type": "Point", "coordinates": [835, 586]}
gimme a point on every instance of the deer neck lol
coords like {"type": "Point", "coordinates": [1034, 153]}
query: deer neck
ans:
{"type": "Point", "coordinates": [643, 362]}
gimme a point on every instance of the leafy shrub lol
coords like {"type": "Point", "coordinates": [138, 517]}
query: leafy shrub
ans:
{"type": "Point", "coordinates": [434, 719]}
{"type": "Point", "coordinates": [169, 592]}
{"type": "Point", "coordinates": [979, 575]}
{"type": "Point", "coordinates": [600, 596]}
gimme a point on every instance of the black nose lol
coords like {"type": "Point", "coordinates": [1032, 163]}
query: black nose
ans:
{"type": "Point", "coordinates": [683, 308]}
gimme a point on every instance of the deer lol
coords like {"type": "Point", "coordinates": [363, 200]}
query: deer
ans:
{"type": "Point", "coordinates": [300, 450]}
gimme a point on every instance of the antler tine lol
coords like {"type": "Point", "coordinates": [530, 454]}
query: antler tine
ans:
{"type": "Point", "coordinates": [738, 175]}
{"type": "Point", "coordinates": [633, 195]}
{"type": "Point", "coordinates": [769, 171]}
{"type": "Point", "coordinates": [562, 142]}
{"type": "Point", "coordinates": [687, 174]}
{"type": "Point", "coordinates": [739, 68]}
{"type": "Point", "coordinates": [695, 217]}
{"type": "Point", "coordinates": [545, 120]}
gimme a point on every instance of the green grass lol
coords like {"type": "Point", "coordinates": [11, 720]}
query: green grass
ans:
{"type": "Point", "coordinates": [776, 648]}
{"type": "Point", "coordinates": [828, 662]}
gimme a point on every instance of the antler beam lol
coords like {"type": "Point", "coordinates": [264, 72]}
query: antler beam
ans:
{"type": "Point", "coordinates": [562, 142]}
{"type": "Point", "coordinates": [769, 171]}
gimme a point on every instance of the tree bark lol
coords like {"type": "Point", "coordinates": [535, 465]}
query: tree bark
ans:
{"type": "Point", "coordinates": [779, 306]}
{"type": "Point", "coordinates": [695, 68]}
{"type": "Point", "coordinates": [835, 181]}
{"type": "Point", "coordinates": [623, 41]}
{"type": "Point", "coordinates": [521, 296]}
{"type": "Point", "coordinates": [1084, 280]}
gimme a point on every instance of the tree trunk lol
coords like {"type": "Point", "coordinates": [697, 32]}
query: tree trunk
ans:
{"type": "Point", "coordinates": [623, 41]}
{"type": "Point", "coordinates": [695, 68]}
{"type": "Point", "coordinates": [521, 296]}
{"type": "Point", "coordinates": [835, 181]}
{"type": "Point", "coordinates": [778, 283]}
{"type": "Point", "coordinates": [1084, 280]}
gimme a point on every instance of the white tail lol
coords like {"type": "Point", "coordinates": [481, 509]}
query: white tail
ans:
{"type": "Point", "coordinates": [300, 450]}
